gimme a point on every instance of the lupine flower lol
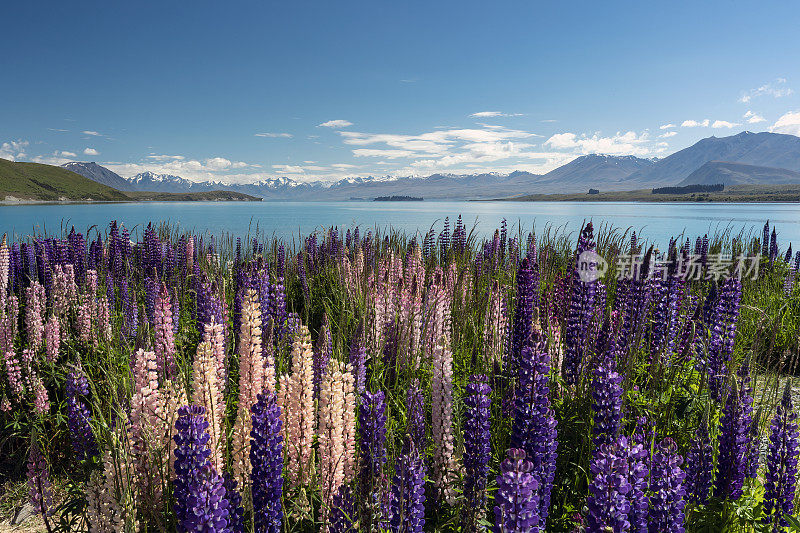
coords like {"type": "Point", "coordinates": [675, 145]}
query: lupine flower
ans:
{"type": "Point", "coordinates": [581, 311]}
{"type": "Point", "coordinates": [41, 402]}
{"type": "Point", "coordinates": [207, 393]}
{"type": "Point", "coordinates": [13, 373]}
{"type": "Point", "coordinates": [39, 489]}
{"type": "Point", "coordinates": [235, 509]}
{"type": "Point", "coordinates": [342, 518]}
{"type": "Point", "coordinates": [253, 379]}
{"type": "Point", "coordinates": [495, 323]}
{"type": "Point", "coordinates": [534, 427]}
{"type": "Point", "coordinates": [323, 349]}
{"type": "Point", "coordinates": [667, 492]}
{"type": "Point", "coordinates": [407, 499]}
{"type": "Point", "coordinates": [200, 502]}
{"type": "Point", "coordinates": [616, 467]}
{"type": "Point", "coordinates": [103, 512]}
{"type": "Point", "coordinates": [372, 439]}
{"type": "Point", "coordinates": [606, 401]}
{"type": "Point", "coordinates": [266, 459]}
{"type": "Point", "coordinates": [523, 315]}
{"type": "Point", "coordinates": [79, 417]}
{"type": "Point", "coordinates": [296, 400]}
{"type": "Point", "coordinates": [700, 466]}
{"type": "Point", "coordinates": [733, 445]}
{"type": "Point", "coordinates": [35, 302]}
{"type": "Point", "coordinates": [336, 433]}
{"type": "Point", "coordinates": [164, 335]}
{"type": "Point", "coordinates": [477, 448]}
{"type": "Point", "coordinates": [780, 481]}
{"type": "Point", "coordinates": [517, 505]}
{"type": "Point", "coordinates": [52, 338]}
{"type": "Point", "coordinates": [358, 360]}
{"type": "Point", "coordinates": [445, 465]}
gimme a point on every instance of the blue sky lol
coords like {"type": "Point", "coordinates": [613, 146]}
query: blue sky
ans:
{"type": "Point", "coordinates": [239, 91]}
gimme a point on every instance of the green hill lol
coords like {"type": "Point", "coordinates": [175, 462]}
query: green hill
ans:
{"type": "Point", "coordinates": [34, 181]}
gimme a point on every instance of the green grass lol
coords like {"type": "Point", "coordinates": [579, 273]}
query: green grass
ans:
{"type": "Point", "coordinates": [34, 181]}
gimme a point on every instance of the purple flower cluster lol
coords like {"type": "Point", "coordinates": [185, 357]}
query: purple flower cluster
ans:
{"type": "Point", "coordinates": [39, 488]}
{"type": "Point", "coordinates": [618, 468]}
{"type": "Point", "coordinates": [407, 500]}
{"type": "Point", "coordinates": [606, 401]}
{"type": "Point", "coordinates": [534, 426]}
{"type": "Point", "coordinates": [415, 415]}
{"type": "Point", "coordinates": [581, 310]}
{"type": "Point", "coordinates": [200, 502]}
{"type": "Point", "coordinates": [700, 466]}
{"type": "Point", "coordinates": [667, 493]}
{"type": "Point", "coordinates": [78, 416]}
{"type": "Point", "coordinates": [372, 446]}
{"type": "Point", "coordinates": [477, 448]}
{"type": "Point", "coordinates": [517, 501]}
{"type": "Point", "coordinates": [358, 360]}
{"type": "Point", "coordinates": [523, 316]}
{"type": "Point", "coordinates": [266, 459]}
{"type": "Point", "coordinates": [734, 441]}
{"type": "Point", "coordinates": [780, 481]}
{"type": "Point", "coordinates": [342, 518]}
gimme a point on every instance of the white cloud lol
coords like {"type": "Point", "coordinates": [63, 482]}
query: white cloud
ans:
{"type": "Point", "coordinates": [58, 130]}
{"type": "Point", "coordinates": [489, 114]}
{"type": "Point", "coordinates": [668, 134]}
{"type": "Point", "coordinates": [724, 124]}
{"type": "Point", "coordinates": [275, 135]}
{"type": "Point", "coordinates": [343, 165]}
{"type": "Point", "coordinates": [695, 124]}
{"type": "Point", "coordinates": [549, 120]}
{"type": "Point", "coordinates": [164, 157]}
{"type": "Point", "coordinates": [90, 151]}
{"type": "Point", "coordinates": [787, 123]}
{"type": "Point", "coordinates": [289, 169]}
{"type": "Point", "coordinates": [628, 143]}
{"type": "Point", "coordinates": [666, 126]}
{"type": "Point", "coordinates": [13, 150]}
{"type": "Point", "coordinates": [67, 154]}
{"type": "Point", "coordinates": [336, 124]}
{"type": "Point", "coordinates": [92, 133]}
{"type": "Point", "coordinates": [753, 118]}
{"type": "Point", "coordinates": [389, 154]}
{"type": "Point", "coordinates": [775, 89]}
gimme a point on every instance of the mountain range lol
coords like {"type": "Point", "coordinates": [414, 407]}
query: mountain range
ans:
{"type": "Point", "coordinates": [746, 158]}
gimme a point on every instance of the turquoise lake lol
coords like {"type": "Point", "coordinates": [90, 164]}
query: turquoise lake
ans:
{"type": "Point", "coordinates": [654, 221]}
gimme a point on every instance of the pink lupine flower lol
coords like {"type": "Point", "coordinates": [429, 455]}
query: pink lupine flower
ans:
{"type": "Point", "coordinates": [146, 427]}
{"type": "Point", "coordinates": [91, 283]}
{"type": "Point", "coordinates": [296, 399]}
{"type": "Point", "coordinates": [336, 451]}
{"type": "Point", "coordinates": [214, 335]}
{"type": "Point", "coordinates": [35, 299]}
{"type": "Point", "coordinates": [437, 325]}
{"type": "Point", "coordinates": [207, 392]}
{"type": "Point", "coordinates": [445, 465]}
{"type": "Point", "coordinates": [52, 338]}
{"type": "Point", "coordinates": [253, 379]}
{"type": "Point", "coordinates": [164, 337]}
{"type": "Point", "coordinates": [84, 322]}
{"type": "Point", "coordinates": [189, 254]}
{"type": "Point", "coordinates": [13, 373]}
{"type": "Point", "coordinates": [8, 323]}
{"type": "Point", "coordinates": [103, 324]}
{"type": "Point", "coordinates": [70, 285]}
{"type": "Point", "coordinates": [5, 262]}
{"type": "Point", "coordinates": [41, 402]}
{"type": "Point", "coordinates": [495, 323]}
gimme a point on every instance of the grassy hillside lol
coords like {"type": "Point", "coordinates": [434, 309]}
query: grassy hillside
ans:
{"type": "Point", "coordinates": [735, 193]}
{"type": "Point", "coordinates": [33, 181]}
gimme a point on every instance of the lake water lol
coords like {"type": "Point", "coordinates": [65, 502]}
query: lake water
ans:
{"type": "Point", "coordinates": [654, 221]}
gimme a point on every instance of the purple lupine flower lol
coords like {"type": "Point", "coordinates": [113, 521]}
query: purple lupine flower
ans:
{"type": "Point", "coordinates": [477, 448]}
{"type": "Point", "coordinates": [700, 466]}
{"type": "Point", "coordinates": [606, 400]}
{"type": "Point", "coordinates": [150, 295]}
{"type": "Point", "coordinates": [780, 481]}
{"type": "Point", "coordinates": [753, 451]}
{"type": "Point", "coordinates": [266, 458]}
{"type": "Point", "coordinates": [407, 499]}
{"type": "Point", "coordinates": [765, 240]}
{"type": "Point", "coordinates": [277, 299]}
{"type": "Point", "coordinates": [372, 446]}
{"type": "Point", "coordinates": [200, 502]}
{"type": "Point", "coordinates": [235, 509]}
{"type": "Point", "coordinates": [517, 505]}
{"type": "Point", "coordinates": [773, 247]}
{"type": "Point", "coordinates": [667, 492]}
{"type": "Point", "coordinates": [78, 416]}
{"type": "Point", "coordinates": [342, 517]}
{"type": "Point", "coordinates": [416, 428]}
{"type": "Point", "coordinates": [581, 309]}
{"type": "Point", "coordinates": [534, 427]}
{"type": "Point", "coordinates": [617, 468]}
{"type": "Point", "coordinates": [358, 360]}
{"type": "Point", "coordinates": [39, 487]}
{"type": "Point", "coordinates": [733, 444]}
{"type": "Point", "coordinates": [131, 323]}
{"type": "Point", "coordinates": [523, 316]}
